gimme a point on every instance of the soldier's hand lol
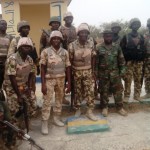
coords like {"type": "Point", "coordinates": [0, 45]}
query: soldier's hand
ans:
{"type": "Point", "coordinates": [44, 89]}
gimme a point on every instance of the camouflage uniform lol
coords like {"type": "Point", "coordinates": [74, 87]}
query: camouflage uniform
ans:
{"type": "Point", "coordinates": [56, 62]}
{"type": "Point", "coordinates": [110, 66]}
{"type": "Point", "coordinates": [4, 45]}
{"type": "Point", "coordinates": [133, 49]}
{"type": "Point", "coordinates": [80, 57]}
{"type": "Point", "coordinates": [21, 69]}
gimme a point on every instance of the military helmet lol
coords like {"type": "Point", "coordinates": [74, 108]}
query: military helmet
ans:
{"type": "Point", "coordinates": [148, 22]}
{"type": "Point", "coordinates": [134, 20]}
{"type": "Point", "coordinates": [21, 24]}
{"type": "Point", "coordinates": [83, 26]}
{"type": "Point", "coordinates": [24, 41]}
{"type": "Point", "coordinates": [115, 24]}
{"type": "Point", "coordinates": [67, 14]}
{"type": "Point", "coordinates": [56, 34]}
{"type": "Point", "coordinates": [55, 19]}
{"type": "Point", "coordinates": [107, 31]}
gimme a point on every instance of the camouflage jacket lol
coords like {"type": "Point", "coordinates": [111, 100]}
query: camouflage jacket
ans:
{"type": "Point", "coordinates": [110, 62]}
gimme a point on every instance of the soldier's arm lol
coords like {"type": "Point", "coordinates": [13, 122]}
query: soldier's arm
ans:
{"type": "Point", "coordinates": [12, 47]}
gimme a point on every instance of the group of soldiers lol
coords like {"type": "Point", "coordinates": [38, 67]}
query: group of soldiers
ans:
{"type": "Point", "coordinates": [70, 61]}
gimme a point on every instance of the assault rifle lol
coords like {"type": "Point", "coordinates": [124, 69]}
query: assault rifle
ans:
{"type": "Point", "coordinates": [22, 134]}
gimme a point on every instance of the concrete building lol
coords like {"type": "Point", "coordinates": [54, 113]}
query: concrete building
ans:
{"type": "Point", "coordinates": [37, 12]}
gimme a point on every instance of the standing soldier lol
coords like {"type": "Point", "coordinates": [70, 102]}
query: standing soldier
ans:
{"type": "Point", "coordinates": [5, 40]}
{"type": "Point", "coordinates": [23, 28]}
{"type": "Point", "coordinates": [116, 28]}
{"type": "Point", "coordinates": [54, 23]}
{"type": "Point", "coordinates": [54, 63]}
{"type": "Point", "coordinates": [82, 56]}
{"type": "Point", "coordinates": [134, 52]}
{"type": "Point", "coordinates": [110, 66]}
{"type": "Point", "coordinates": [18, 79]}
{"type": "Point", "coordinates": [69, 35]}
{"type": "Point", "coordinates": [147, 62]}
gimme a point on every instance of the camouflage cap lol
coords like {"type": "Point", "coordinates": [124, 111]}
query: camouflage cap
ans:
{"type": "Point", "coordinates": [83, 26]}
{"type": "Point", "coordinates": [115, 24]}
{"type": "Point", "coordinates": [148, 22]}
{"type": "Point", "coordinates": [54, 19]}
{"type": "Point", "coordinates": [21, 24]}
{"type": "Point", "coordinates": [56, 34]}
{"type": "Point", "coordinates": [107, 31]}
{"type": "Point", "coordinates": [67, 14]}
{"type": "Point", "coordinates": [24, 41]}
{"type": "Point", "coordinates": [134, 20]}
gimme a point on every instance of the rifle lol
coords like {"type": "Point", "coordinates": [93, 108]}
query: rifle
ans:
{"type": "Point", "coordinates": [22, 134]}
{"type": "Point", "coordinates": [23, 110]}
{"type": "Point", "coordinates": [45, 32]}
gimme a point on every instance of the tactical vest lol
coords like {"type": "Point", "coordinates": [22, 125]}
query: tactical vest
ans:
{"type": "Point", "coordinates": [23, 70]}
{"type": "Point", "coordinates": [82, 57]}
{"type": "Point", "coordinates": [4, 45]}
{"type": "Point", "coordinates": [56, 63]}
{"type": "Point", "coordinates": [135, 49]}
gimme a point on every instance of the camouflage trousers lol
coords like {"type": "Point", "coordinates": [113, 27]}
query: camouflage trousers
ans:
{"type": "Point", "coordinates": [134, 72]}
{"type": "Point", "coordinates": [53, 86]}
{"type": "Point", "coordinates": [13, 105]}
{"type": "Point", "coordinates": [116, 89]}
{"type": "Point", "coordinates": [147, 76]}
{"type": "Point", "coordinates": [83, 87]}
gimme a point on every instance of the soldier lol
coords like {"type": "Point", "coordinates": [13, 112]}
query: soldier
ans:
{"type": "Point", "coordinates": [134, 52]}
{"type": "Point", "coordinates": [5, 40]}
{"type": "Point", "coordinates": [147, 62]}
{"type": "Point", "coordinates": [54, 23]}
{"type": "Point", "coordinates": [54, 63]}
{"type": "Point", "coordinates": [23, 28]}
{"type": "Point", "coordinates": [82, 54]}
{"type": "Point", "coordinates": [116, 28]}
{"type": "Point", "coordinates": [69, 35]}
{"type": "Point", "coordinates": [110, 66]}
{"type": "Point", "coordinates": [18, 80]}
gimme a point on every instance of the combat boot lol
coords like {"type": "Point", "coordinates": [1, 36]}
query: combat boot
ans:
{"type": "Point", "coordinates": [78, 113]}
{"type": "Point", "coordinates": [90, 115]}
{"type": "Point", "coordinates": [122, 112]}
{"type": "Point", "coordinates": [44, 127]}
{"type": "Point", "coordinates": [57, 121]}
{"type": "Point", "coordinates": [126, 99]}
{"type": "Point", "coordinates": [146, 96]}
{"type": "Point", "coordinates": [105, 112]}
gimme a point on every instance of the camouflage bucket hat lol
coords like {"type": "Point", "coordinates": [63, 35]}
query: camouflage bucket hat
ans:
{"type": "Point", "coordinates": [21, 24]}
{"type": "Point", "coordinates": [83, 26]}
{"type": "Point", "coordinates": [56, 34]}
{"type": "Point", "coordinates": [115, 24]}
{"type": "Point", "coordinates": [55, 19]}
{"type": "Point", "coordinates": [133, 20]}
{"type": "Point", "coordinates": [148, 22]}
{"type": "Point", "coordinates": [24, 41]}
{"type": "Point", "coordinates": [67, 14]}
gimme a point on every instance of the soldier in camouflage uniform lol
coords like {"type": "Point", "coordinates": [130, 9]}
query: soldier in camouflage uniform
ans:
{"type": "Point", "coordinates": [110, 66]}
{"type": "Point", "coordinates": [18, 79]}
{"type": "Point", "coordinates": [69, 35]}
{"type": "Point", "coordinates": [147, 62]}
{"type": "Point", "coordinates": [54, 63]}
{"type": "Point", "coordinates": [5, 40]}
{"type": "Point", "coordinates": [134, 52]}
{"type": "Point", "coordinates": [54, 23]}
{"type": "Point", "coordinates": [82, 54]}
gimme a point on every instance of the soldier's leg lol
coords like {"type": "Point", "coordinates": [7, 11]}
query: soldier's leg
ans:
{"type": "Point", "coordinates": [128, 80]}
{"type": "Point", "coordinates": [89, 93]}
{"type": "Point", "coordinates": [104, 92]}
{"type": "Point", "coordinates": [46, 108]}
{"type": "Point", "coordinates": [78, 92]}
{"type": "Point", "coordinates": [137, 74]}
{"type": "Point", "coordinates": [59, 93]}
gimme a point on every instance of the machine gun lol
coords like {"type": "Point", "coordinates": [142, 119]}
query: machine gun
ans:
{"type": "Point", "coordinates": [22, 134]}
